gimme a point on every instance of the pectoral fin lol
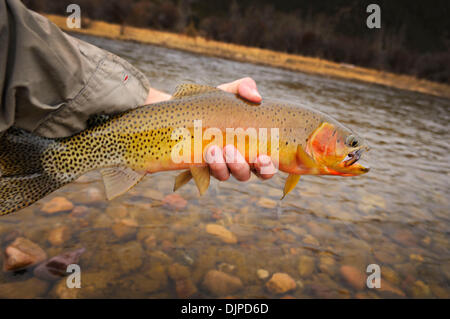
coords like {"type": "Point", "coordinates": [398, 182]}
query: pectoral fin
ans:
{"type": "Point", "coordinates": [304, 159]}
{"type": "Point", "coordinates": [118, 180]}
{"type": "Point", "coordinates": [291, 181]}
{"type": "Point", "coordinates": [201, 177]}
{"type": "Point", "coordinates": [182, 179]}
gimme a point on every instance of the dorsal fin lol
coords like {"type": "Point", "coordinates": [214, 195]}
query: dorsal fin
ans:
{"type": "Point", "coordinates": [183, 90]}
{"type": "Point", "coordinates": [97, 119]}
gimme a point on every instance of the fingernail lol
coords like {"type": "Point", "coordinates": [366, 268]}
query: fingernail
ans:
{"type": "Point", "coordinates": [214, 155]}
{"type": "Point", "coordinates": [264, 160]}
{"type": "Point", "coordinates": [232, 155]}
{"type": "Point", "coordinates": [255, 93]}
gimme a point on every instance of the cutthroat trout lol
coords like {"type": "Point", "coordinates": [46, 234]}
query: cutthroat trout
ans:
{"type": "Point", "coordinates": [127, 146]}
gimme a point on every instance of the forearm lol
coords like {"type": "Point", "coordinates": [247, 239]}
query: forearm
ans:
{"type": "Point", "coordinates": [51, 83]}
{"type": "Point", "coordinates": [155, 96]}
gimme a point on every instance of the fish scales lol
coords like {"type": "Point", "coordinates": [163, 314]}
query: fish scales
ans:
{"type": "Point", "coordinates": [140, 141]}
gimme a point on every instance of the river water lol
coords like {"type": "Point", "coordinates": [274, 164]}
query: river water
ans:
{"type": "Point", "coordinates": [149, 243]}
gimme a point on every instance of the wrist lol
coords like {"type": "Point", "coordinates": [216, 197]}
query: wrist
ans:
{"type": "Point", "coordinates": [155, 96]}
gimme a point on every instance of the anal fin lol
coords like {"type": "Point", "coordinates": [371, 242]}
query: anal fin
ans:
{"type": "Point", "coordinates": [291, 182]}
{"type": "Point", "coordinates": [182, 179]}
{"type": "Point", "coordinates": [201, 177]}
{"type": "Point", "coordinates": [118, 180]}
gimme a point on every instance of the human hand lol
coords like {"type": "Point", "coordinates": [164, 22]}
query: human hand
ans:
{"type": "Point", "coordinates": [222, 163]}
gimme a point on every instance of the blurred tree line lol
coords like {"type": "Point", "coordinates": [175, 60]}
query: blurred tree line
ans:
{"type": "Point", "coordinates": [414, 37]}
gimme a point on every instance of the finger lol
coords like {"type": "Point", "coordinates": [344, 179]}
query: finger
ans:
{"type": "Point", "coordinates": [216, 162]}
{"type": "Point", "coordinates": [245, 87]}
{"type": "Point", "coordinates": [248, 90]}
{"type": "Point", "coordinates": [264, 167]}
{"type": "Point", "coordinates": [236, 163]}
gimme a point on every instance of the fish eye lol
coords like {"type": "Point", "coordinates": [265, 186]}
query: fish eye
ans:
{"type": "Point", "coordinates": [352, 141]}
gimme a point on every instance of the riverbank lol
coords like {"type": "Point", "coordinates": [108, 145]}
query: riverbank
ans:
{"type": "Point", "coordinates": [241, 53]}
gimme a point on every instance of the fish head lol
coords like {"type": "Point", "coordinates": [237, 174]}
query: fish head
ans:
{"type": "Point", "coordinates": [337, 149]}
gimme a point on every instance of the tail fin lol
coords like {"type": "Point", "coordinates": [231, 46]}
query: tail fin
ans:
{"type": "Point", "coordinates": [20, 192]}
{"type": "Point", "coordinates": [23, 179]}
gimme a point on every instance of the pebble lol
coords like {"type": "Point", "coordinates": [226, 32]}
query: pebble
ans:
{"type": "Point", "coordinates": [405, 237]}
{"type": "Point", "coordinates": [326, 264]}
{"type": "Point", "coordinates": [420, 290]}
{"type": "Point", "coordinates": [116, 211]}
{"type": "Point", "coordinates": [177, 271]}
{"type": "Point", "coordinates": [92, 195]}
{"type": "Point", "coordinates": [426, 240]}
{"type": "Point", "coordinates": [27, 289]}
{"type": "Point", "coordinates": [22, 253]}
{"type": "Point", "coordinates": [56, 205]}
{"type": "Point", "coordinates": [219, 283]}
{"type": "Point", "coordinates": [266, 202]}
{"type": "Point", "coordinates": [59, 235]}
{"type": "Point", "coordinates": [387, 287]}
{"type": "Point", "coordinates": [353, 277]}
{"type": "Point", "coordinates": [416, 257]}
{"type": "Point", "coordinates": [281, 283]}
{"type": "Point", "coordinates": [305, 266]}
{"type": "Point", "coordinates": [129, 256]}
{"type": "Point", "coordinates": [185, 288]}
{"type": "Point", "coordinates": [222, 233]}
{"type": "Point", "coordinates": [175, 201]}
{"type": "Point", "coordinates": [125, 228]}
{"type": "Point", "coordinates": [369, 202]}
{"type": "Point", "coordinates": [310, 240]}
{"type": "Point", "coordinates": [153, 194]}
{"type": "Point", "coordinates": [262, 274]}
{"type": "Point", "coordinates": [150, 241]}
{"type": "Point", "coordinates": [79, 211]}
{"type": "Point", "coordinates": [56, 267]}
{"type": "Point", "coordinates": [390, 275]}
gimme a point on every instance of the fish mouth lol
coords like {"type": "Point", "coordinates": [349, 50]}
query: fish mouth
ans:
{"type": "Point", "coordinates": [352, 157]}
{"type": "Point", "coordinates": [350, 161]}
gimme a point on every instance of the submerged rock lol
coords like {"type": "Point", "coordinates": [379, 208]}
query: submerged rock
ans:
{"type": "Point", "coordinates": [125, 228]}
{"type": "Point", "coordinates": [56, 205]}
{"type": "Point", "coordinates": [59, 235]}
{"type": "Point", "coordinates": [266, 202]}
{"type": "Point", "coordinates": [353, 277]}
{"type": "Point", "coordinates": [185, 288]}
{"type": "Point", "coordinates": [219, 283]}
{"type": "Point", "coordinates": [129, 256]}
{"type": "Point", "coordinates": [326, 264]}
{"type": "Point", "coordinates": [281, 283]}
{"type": "Point", "coordinates": [387, 287]}
{"type": "Point", "coordinates": [79, 211]}
{"type": "Point", "coordinates": [56, 267]}
{"type": "Point", "coordinates": [177, 271]}
{"type": "Point", "coordinates": [153, 194]}
{"type": "Point", "coordinates": [175, 201]}
{"type": "Point", "coordinates": [22, 253]}
{"type": "Point", "coordinates": [262, 273]}
{"type": "Point", "coordinates": [420, 290]}
{"type": "Point", "coordinates": [222, 233]}
{"type": "Point", "coordinates": [305, 266]}
{"type": "Point", "coordinates": [93, 285]}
